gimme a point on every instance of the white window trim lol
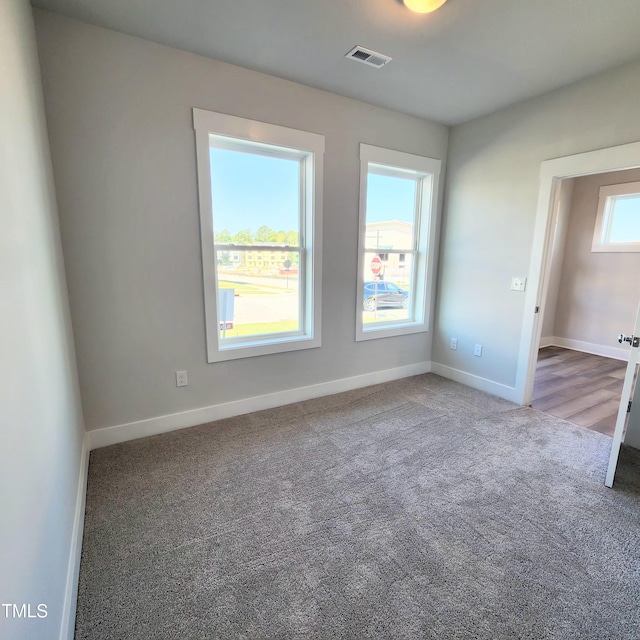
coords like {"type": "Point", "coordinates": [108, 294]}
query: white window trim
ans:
{"type": "Point", "coordinates": [430, 170]}
{"type": "Point", "coordinates": [603, 220]}
{"type": "Point", "coordinates": [209, 122]}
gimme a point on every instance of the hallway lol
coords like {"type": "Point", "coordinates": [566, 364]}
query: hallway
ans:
{"type": "Point", "coordinates": [579, 387]}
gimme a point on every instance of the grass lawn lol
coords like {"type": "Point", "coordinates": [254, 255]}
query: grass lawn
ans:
{"type": "Point", "coordinates": [246, 287]}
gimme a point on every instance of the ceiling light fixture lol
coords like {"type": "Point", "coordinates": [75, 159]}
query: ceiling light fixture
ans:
{"type": "Point", "coordinates": [424, 6]}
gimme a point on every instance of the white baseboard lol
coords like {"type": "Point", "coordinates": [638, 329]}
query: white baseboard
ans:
{"type": "Point", "coordinates": [73, 571]}
{"type": "Point", "coordinates": [476, 382]}
{"type": "Point", "coordinates": [547, 342]}
{"type": "Point", "coordinates": [618, 353]}
{"type": "Point", "coordinates": [162, 424]}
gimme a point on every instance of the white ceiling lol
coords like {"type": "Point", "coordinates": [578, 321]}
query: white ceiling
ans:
{"type": "Point", "coordinates": [468, 58]}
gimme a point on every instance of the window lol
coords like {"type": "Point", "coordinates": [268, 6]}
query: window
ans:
{"type": "Point", "coordinates": [618, 219]}
{"type": "Point", "coordinates": [398, 196]}
{"type": "Point", "coordinates": [260, 189]}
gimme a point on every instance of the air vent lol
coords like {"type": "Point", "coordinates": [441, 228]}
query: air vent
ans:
{"type": "Point", "coordinates": [366, 56]}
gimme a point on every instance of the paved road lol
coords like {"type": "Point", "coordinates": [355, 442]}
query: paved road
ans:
{"type": "Point", "coordinates": [282, 303]}
{"type": "Point", "coordinates": [277, 282]}
{"type": "Point", "coordinates": [266, 308]}
{"type": "Point", "coordinates": [284, 306]}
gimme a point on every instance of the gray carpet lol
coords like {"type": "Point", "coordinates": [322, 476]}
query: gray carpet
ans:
{"type": "Point", "coordinates": [415, 509]}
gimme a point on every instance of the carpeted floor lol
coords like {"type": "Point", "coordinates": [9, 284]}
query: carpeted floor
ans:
{"type": "Point", "coordinates": [415, 509]}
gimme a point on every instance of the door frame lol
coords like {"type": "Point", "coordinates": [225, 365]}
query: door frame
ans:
{"type": "Point", "coordinates": [626, 156]}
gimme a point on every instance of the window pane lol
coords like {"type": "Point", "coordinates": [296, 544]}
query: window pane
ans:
{"type": "Point", "coordinates": [256, 198]}
{"type": "Point", "coordinates": [391, 212]}
{"type": "Point", "coordinates": [397, 191]}
{"type": "Point", "coordinates": [387, 296]}
{"type": "Point", "coordinates": [625, 222]}
{"type": "Point", "coordinates": [257, 296]}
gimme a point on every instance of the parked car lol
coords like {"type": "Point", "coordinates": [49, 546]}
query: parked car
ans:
{"type": "Point", "coordinates": [384, 294]}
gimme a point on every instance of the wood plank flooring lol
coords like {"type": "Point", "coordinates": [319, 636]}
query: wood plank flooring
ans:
{"type": "Point", "coordinates": [579, 387]}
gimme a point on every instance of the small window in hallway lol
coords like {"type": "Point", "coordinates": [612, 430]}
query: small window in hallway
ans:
{"type": "Point", "coordinates": [618, 219]}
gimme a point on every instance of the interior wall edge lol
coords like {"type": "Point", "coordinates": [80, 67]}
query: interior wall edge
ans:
{"type": "Point", "coordinates": [41, 413]}
{"type": "Point", "coordinates": [477, 382]}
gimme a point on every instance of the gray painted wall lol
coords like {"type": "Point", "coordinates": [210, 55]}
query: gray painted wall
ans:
{"type": "Point", "coordinates": [41, 434]}
{"type": "Point", "coordinates": [119, 116]}
{"type": "Point", "coordinates": [599, 292]}
{"type": "Point", "coordinates": [490, 208]}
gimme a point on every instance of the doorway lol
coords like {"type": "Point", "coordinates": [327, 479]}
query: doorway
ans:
{"type": "Point", "coordinates": [590, 298]}
{"type": "Point", "coordinates": [552, 175]}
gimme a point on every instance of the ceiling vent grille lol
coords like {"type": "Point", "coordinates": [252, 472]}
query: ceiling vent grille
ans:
{"type": "Point", "coordinates": [366, 56]}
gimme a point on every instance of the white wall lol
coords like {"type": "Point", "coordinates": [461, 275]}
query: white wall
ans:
{"type": "Point", "coordinates": [490, 209]}
{"type": "Point", "coordinates": [119, 115]}
{"type": "Point", "coordinates": [41, 431]}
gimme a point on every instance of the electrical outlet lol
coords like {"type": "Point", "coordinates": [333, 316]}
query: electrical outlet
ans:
{"type": "Point", "coordinates": [518, 284]}
{"type": "Point", "coordinates": [477, 350]}
{"type": "Point", "coordinates": [181, 379]}
{"type": "Point", "coordinates": [453, 344]}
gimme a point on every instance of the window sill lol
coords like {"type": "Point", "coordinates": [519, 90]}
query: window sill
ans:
{"type": "Point", "coordinates": [390, 330]}
{"type": "Point", "coordinates": [262, 348]}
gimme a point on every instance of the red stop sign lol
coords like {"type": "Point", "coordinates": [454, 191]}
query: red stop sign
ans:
{"type": "Point", "coordinates": [376, 265]}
